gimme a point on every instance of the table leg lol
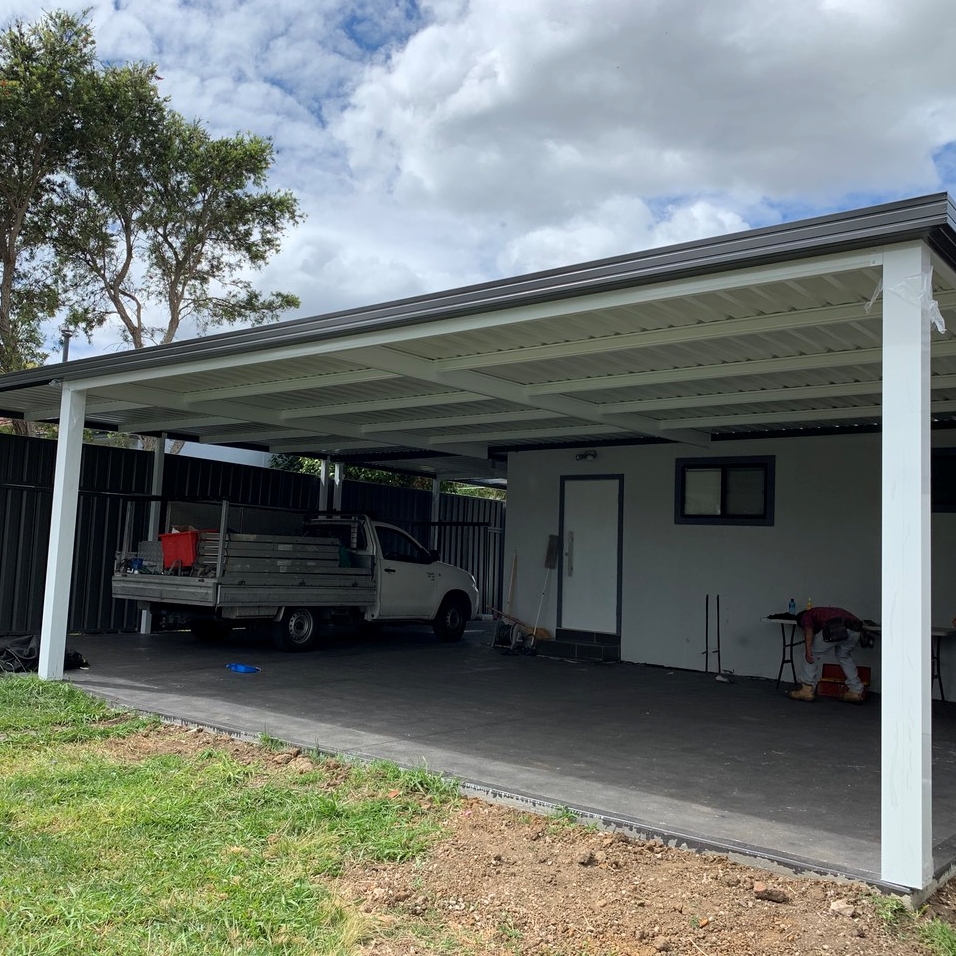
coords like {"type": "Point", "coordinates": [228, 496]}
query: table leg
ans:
{"type": "Point", "coordinates": [935, 673]}
{"type": "Point", "coordinates": [786, 651]}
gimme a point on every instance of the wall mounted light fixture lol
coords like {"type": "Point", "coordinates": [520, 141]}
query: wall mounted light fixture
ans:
{"type": "Point", "coordinates": [588, 455]}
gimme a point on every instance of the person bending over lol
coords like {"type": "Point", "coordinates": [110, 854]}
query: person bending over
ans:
{"type": "Point", "coordinates": [827, 629]}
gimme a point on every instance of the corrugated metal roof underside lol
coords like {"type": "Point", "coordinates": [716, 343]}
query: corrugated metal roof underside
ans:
{"type": "Point", "coordinates": [748, 352]}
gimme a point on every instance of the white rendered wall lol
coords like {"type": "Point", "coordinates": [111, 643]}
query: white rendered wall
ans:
{"type": "Point", "coordinates": [824, 544]}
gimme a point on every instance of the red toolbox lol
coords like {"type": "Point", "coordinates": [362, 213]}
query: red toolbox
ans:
{"type": "Point", "coordinates": [832, 682]}
{"type": "Point", "coordinates": [181, 546]}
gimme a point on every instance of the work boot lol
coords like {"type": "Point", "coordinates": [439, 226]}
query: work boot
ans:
{"type": "Point", "coordinates": [805, 692]}
{"type": "Point", "coordinates": [852, 696]}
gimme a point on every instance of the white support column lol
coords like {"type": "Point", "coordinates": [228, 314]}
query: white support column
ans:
{"type": "Point", "coordinates": [152, 530]}
{"type": "Point", "coordinates": [907, 824]}
{"type": "Point", "coordinates": [436, 512]}
{"type": "Point", "coordinates": [324, 485]}
{"type": "Point", "coordinates": [59, 564]}
{"type": "Point", "coordinates": [337, 486]}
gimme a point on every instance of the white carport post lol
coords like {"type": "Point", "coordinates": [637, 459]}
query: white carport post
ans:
{"type": "Point", "coordinates": [907, 823]}
{"type": "Point", "coordinates": [152, 531]}
{"type": "Point", "coordinates": [59, 563]}
{"type": "Point", "coordinates": [324, 484]}
{"type": "Point", "coordinates": [337, 486]}
{"type": "Point", "coordinates": [436, 512]}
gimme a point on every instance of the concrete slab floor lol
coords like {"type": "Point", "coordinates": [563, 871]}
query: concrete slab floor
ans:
{"type": "Point", "coordinates": [734, 766]}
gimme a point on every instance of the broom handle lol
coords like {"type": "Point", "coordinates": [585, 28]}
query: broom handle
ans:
{"type": "Point", "coordinates": [537, 617]}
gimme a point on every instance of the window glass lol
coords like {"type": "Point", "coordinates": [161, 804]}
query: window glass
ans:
{"type": "Point", "coordinates": [341, 532]}
{"type": "Point", "coordinates": [702, 491]}
{"type": "Point", "coordinates": [745, 491]}
{"type": "Point", "coordinates": [397, 546]}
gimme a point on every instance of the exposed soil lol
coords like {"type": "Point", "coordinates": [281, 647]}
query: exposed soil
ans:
{"type": "Point", "coordinates": [503, 881]}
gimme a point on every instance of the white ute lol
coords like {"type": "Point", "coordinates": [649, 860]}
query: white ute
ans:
{"type": "Point", "coordinates": [342, 569]}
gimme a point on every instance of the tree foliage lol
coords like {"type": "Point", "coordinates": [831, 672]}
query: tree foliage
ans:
{"type": "Point", "coordinates": [44, 73]}
{"type": "Point", "coordinates": [112, 205]}
{"type": "Point", "coordinates": [169, 222]}
{"type": "Point", "coordinates": [379, 476]}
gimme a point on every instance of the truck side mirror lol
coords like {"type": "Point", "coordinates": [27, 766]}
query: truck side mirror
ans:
{"type": "Point", "coordinates": [434, 555]}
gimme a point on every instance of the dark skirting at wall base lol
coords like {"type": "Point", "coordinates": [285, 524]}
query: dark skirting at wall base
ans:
{"type": "Point", "coordinates": [582, 646]}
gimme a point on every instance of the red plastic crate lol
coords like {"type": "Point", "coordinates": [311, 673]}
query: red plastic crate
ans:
{"type": "Point", "coordinates": [181, 546]}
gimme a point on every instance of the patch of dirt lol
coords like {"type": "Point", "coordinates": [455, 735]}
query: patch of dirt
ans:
{"type": "Point", "coordinates": [503, 881]}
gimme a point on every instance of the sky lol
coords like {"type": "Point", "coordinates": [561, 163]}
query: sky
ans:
{"type": "Point", "coordinates": [438, 144]}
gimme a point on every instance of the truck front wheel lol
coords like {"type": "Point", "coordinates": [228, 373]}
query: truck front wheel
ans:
{"type": "Point", "coordinates": [298, 631]}
{"type": "Point", "coordinates": [452, 616]}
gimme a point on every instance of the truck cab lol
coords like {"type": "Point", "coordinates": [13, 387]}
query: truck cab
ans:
{"type": "Point", "coordinates": [413, 584]}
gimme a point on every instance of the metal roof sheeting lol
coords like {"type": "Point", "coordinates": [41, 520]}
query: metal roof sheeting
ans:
{"type": "Point", "coordinates": [749, 333]}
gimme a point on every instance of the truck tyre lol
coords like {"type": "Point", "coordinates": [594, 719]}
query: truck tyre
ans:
{"type": "Point", "coordinates": [452, 616]}
{"type": "Point", "coordinates": [298, 631]}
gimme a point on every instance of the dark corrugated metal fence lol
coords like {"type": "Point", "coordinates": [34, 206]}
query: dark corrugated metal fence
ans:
{"type": "Point", "coordinates": [114, 495]}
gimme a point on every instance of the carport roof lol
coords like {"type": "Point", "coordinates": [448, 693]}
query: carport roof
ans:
{"type": "Point", "coordinates": [749, 334]}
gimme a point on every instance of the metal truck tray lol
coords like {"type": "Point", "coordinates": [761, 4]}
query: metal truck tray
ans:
{"type": "Point", "coordinates": [354, 588]}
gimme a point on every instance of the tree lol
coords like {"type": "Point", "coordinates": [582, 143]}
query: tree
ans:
{"type": "Point", "coordinates": [379, 476]}
{"type": "Point", "coordinates": [112, 204]}
{"type": "Point", "coordinates": [163, 222]}
{"type": "Point", "coordinates": [44, 72]}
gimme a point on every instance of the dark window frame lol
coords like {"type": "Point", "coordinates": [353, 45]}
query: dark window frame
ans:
{"type": "Point", "coordinates": [683, 465]}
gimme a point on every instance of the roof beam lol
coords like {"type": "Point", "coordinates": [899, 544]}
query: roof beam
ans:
{"type": "Point", "coordinates": [695, 373]}
{"type": "Point", "coordinates": [138, 426]}
{"type": "Point", "coordinates": [754, 397]}
{"type": "Point", "coordinates": [304, 446]}
{"type": "Point", "coordinates": [298, 384]}
{"type": "Point", "coordinates": [423, 369]}
{"type": "Point", "coordinates": [238, 412]}
{"type": "Point", "coordinates": [387, 404]}
{"type": "Point", "coordinates": [258, 434]}
{"type": "Point", "coordinates": [757, 396]}
{"type": "Point", "coordinates": [673, 335]}
{"type": "Point", "coordinates": [461, 421]}
{"type": "Point", "coordinates": [542, 434]}
{"type": "Point", "coordinates": [798, 415]}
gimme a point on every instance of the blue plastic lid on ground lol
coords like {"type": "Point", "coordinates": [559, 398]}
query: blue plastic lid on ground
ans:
{"type": "Point", "coordinates": [243, 668]}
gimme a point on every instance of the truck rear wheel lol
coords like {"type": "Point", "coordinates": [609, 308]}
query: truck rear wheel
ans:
{"type": "Point", "coordinates": [298, 631]}
{"type": "Point", "coordinates": [452, 616]}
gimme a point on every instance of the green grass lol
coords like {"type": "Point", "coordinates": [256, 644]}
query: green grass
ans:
{"type": "Point", "coordinates": [938, 936]}
{"type": "Point", "coordinates": [174, 854]}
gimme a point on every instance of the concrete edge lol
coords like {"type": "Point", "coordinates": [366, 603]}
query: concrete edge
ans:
{"type": "Point", "coordinates": [746, 854]}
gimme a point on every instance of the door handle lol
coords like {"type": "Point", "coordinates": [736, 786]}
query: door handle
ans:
{"type": "Point", "coordinates": [390, 570]}
{"type": "Point", "coordinates": [570, 554]}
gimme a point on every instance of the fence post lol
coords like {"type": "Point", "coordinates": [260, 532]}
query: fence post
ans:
{"type": "Point", "coordinates": [152, 529]}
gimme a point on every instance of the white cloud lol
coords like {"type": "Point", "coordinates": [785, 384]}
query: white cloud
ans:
{"type": "Point", "coordinates": [467, 139]}
{"type": "Point", "coordinates": [543, 108]}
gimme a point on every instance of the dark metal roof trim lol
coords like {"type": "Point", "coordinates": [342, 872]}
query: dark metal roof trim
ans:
{"type": "Point", "coordinates": [931, 218]}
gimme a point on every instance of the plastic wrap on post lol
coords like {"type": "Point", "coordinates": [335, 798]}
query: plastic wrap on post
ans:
{"type": "Point", "coordinates": [916, 289]}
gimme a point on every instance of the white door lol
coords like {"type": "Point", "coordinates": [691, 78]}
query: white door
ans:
{"type": "Point", "coordinates": [591, 554]}
{"type": "Point", "coordinates": [408, 586]}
